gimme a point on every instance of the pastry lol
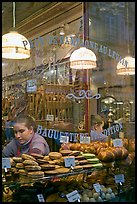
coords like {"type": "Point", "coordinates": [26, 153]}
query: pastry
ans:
{"type": "Point", "coordinates": [26, 156]}
{"type": "Point", "coordinates": [19, 165]}
{"type": "Point", "coordinates": [63, 170]}
{"type": "Point", "coordinates": [47, 166]}
{"type": "Point", "coordinates": [54, 155]}
{"type": "Point", "coordinates": [65, 152]}
{"type": "Point", "coordinates": [36, 174]}
{"type": "Point", "coordinates": [37, 156]}
{"type": "Point", "coordinates": [17, 159]}
{"type": "Point", "coordinates": [30, 162]}
{"type": "Point", "coordinates": [32, 168]}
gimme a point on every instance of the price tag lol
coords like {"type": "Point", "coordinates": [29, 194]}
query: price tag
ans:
{"type": "Point", "coordinates": [117, 142]}
{"type": "Point", "coordinates": [119, 178]}
{"type": "Point", "coordinates": [97, 187]}
{"type": "Point", "coordinates": [70, 161]}
{"type": "Point", "coordinates": [73, 196]}
{"type": "Point", "coordinates": [50, 118]}
{"type": "Point", "coordinates": [31, 85]}
{"type": "Point", "coordinates": [64, 139]}
{"type": "Point", "coordinates": [40, 198]}
{"type": "Point", "coordinates": [84, 139]}
{"type": "Point", "coordinates": [6, 163]}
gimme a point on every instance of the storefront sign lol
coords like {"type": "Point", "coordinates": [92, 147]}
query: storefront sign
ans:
{"type": "Point", "coordinates": [57, 135]}
{"type": "Point", "coordinates": [55, 40]}
{"type": "Point", "coordinates": [113, 129]}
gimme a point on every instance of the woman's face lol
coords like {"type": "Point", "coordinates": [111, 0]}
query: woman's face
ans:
{"type": "Point", "coordinates": [99, 128]}
{"type": "Point", "coordinates": [22, 133]}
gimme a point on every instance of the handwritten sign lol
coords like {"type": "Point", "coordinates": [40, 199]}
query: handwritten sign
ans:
{"type": "Point", "coordinates": [6, 163]}
{"type": "Point", "coordinates": [31, 85]}
{"type": "Point", "coordinates": [73, 196]}
{"type": "Point", "coordinates": [119, 178]}
{"type": "Point", "coordinates": [97, 187]}
{"type": "Point", "coordinates": [40, 198]}
{"type": "Point", "coordinates": [50, 118]}
{"type": "Point", "coordinates": [117, 142]}
{"type": "Point", "coordinates": [70, 161]}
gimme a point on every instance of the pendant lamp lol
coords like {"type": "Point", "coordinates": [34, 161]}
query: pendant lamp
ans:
{"type": "Point", "coordinates": [83, 58]}
{"type": "Point", "coordinates": [15, 45]}
{"type": "Point", "coordinates": [128, 68]}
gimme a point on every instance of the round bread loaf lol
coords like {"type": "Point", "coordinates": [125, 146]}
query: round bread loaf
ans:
{"type": "Point", "coordinates": [30, 162]}
{"type": "Point", "coordinates": [106, 156]}
{"type": "Point", "coordinates": [54, 155]}
{"type": "Point", "coordinates": [26, 156]}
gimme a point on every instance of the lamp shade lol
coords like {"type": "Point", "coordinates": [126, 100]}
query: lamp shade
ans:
{"type": "Point", "coordinates": [126, 70]}
{"type": "Point", "coordinates": [15, 46]}
{"type": "Point", "coordinates": [82, 58]}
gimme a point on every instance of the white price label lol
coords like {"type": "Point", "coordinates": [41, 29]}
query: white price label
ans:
{"type": "Point", "coordinates": [70, 161]}
{"type": "Point", "coordinates": [73, 196]}
{"type": "Point", "coordinates": [117, 142]}
{"type": "Point", "coordinates": [97, 187]}
{"type": "Point", "coordinates": [84, 139]}
{"type": "Point", "coordinates": [64, 139]}
{"type": "Point", "coordinates": [31, 85]}
{"type": "Point", "coordinates": [119, 178]}
{"type": "Point", "coordinates": [40, 198]}
{"type": "Point", "coordinates": [50, 118]}
{"type": "Point", "coordinates": [6, 163]}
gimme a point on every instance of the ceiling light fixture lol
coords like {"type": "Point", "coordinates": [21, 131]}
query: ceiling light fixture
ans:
{"type": "Point", "coordinates": [83, 58]}
{"type": "Point", "coordinates": [62, 32]}
{"type": "Point", "coordinates": [129, 69]}
{"type": "Point", "coordinates": [15, 45]}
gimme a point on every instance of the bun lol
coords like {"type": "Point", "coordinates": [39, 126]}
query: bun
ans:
{"type": "Point", "coordinates": [26, 156]}
{"type": "Point", "coordinates": [30, 162]}
{"type": "Point", "coordinates": [19, 166]}
{"type": "Point", "coordinates": [17, 159]}
{"type": "Point", "coordinates": [37, 156]}
{"type": "Point", "coordinates": [54, 155]}
{"type": "Point", "coordinates": [65, 152]}
{"type": "Point", "coordinates": [32, 168]}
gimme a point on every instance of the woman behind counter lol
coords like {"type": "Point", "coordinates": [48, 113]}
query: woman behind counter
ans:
{"type": "Point", "coordinates": [26, 140]}
{"type": "Point", "coordinates": [97, 124]}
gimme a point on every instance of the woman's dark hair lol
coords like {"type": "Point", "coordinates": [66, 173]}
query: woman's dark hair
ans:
{"type": "Point", "coordinates": [96, 119]}
{"type": "Point", "coordinates": [27, 119]}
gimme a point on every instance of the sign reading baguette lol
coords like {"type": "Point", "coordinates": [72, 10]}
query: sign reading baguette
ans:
{"type": "Point", "coordinates": [57, 135]}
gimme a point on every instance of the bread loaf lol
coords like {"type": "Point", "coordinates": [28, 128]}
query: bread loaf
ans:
{"type": "Point", "coordinates": [54, 155]}
{"type": "Point", "coordinates": [106, 156]}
